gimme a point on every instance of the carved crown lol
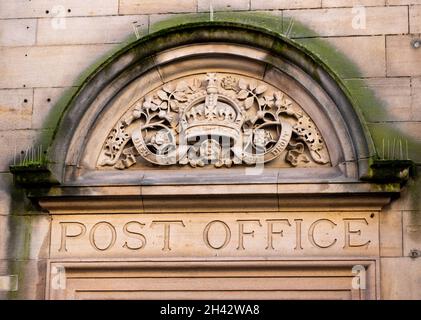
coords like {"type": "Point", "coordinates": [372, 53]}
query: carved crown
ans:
{"type": "Point", "coordinates": [225, 121]}
{"type": "Point", "coordinates": [211, 113]}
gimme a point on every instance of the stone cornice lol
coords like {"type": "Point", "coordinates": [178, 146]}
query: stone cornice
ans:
{"type": "Point", "coordinates": [215, 198]}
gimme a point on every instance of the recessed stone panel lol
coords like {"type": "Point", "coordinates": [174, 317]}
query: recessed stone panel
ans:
{"type": "Point", "coordinates": [215, 235]}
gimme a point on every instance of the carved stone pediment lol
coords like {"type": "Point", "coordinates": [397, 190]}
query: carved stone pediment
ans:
{"type": "Point", "coordinates": [214, 119]}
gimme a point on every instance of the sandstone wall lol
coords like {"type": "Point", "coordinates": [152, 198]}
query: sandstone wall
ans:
{"type": "Point", "coordinates": [42, 62]}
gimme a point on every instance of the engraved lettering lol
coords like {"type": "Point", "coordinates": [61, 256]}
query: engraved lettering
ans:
{"type": "Point", "coordinates": [167, 231]}
{"type": "Point", "coordinates": [226, 239]}
{"type": "Point", "coordinates": [271, 232]}
{"type": "Point", "coordinates": [207, 234]}
{"type": "Point", "coordinates": [242, 233]}
{"type": "Point", "coordinates": [113, 233]}
{"type": "Point", "coordinates": [65, 235]}
{"type": "Point", "coordinates": [134, 234]}
{"type": "Point", "coordinates": [298, 234]}
{"type": "Point", "coordinates": [311, 233]}
{"type": "Point", "coordinates": [349, 232]}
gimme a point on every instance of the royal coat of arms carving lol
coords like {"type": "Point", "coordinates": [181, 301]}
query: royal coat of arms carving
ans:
{"type": "Point", "coordinates": [214, 119]}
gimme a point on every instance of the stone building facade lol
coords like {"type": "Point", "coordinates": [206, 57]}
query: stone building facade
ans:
{"type": "Point", "coordinates": [232, 149]}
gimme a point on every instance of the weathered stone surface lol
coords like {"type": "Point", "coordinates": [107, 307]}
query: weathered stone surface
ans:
{"type": "Point", "coordinates": [31, 277]}
{"type": "Point", "coordinates": [396, 282]}
{"type": "Point", "coordinates": [160, 21]}
{"type": "Point", "coordinates": [343, 55]}
{"type": "Point", "coordinates": [54, 8]}
{"type": "Point", "coordinates": [391, 100]}
{"type": "Point", "coordinates": [17, 32]}
{"type": "Point", "coordinates": [7, 282]}
{"type": "Point", "coordinates": [87, 30]}
{"type": "Point", "coordinates": [390, 233]}
{"type": "Point", "coordinates": [372, 62]}
{"type": "Point", "coordinates": [402, 2]}
{"type": "Point", "coordinates": [15, 108]}
{"type": "Point", "coordinates": [4, 236]}
{"type": "Point", "coordinates": [272, 19]}
{"type": "Point", "coordinates": [12, 199]}
{"type": "Point", "coordinates": [28, 236]}
{"type": "Point", "coordinates": [409, 199]}
{"type": "Point", "coordinates": [411, 230]}
{"type": "Point", "coordinates": [156, 6]}
{"type": "Point", "coordinates": [416, 98]}
{"type": "Point", "coordinates": [46, 100]}
{"type": "Point", "coordinates": [402, 59]}
{"type": "Point", "coordinates": [415, 19]}
{"type": "Point", "coordinates": [394, 93]}
{"type": "Point", "coordinates": [59, 65]}
{"type": "Point", "coordinates": [222, 5]}
{"type": "Point", "coordinates": [284, 4]}
{"type": "Point", "coordinates": [351, 3]}
{"type": "Point", "coordinates": [6, 193]}
{"type": "Point", "coordinates": [343, 22]}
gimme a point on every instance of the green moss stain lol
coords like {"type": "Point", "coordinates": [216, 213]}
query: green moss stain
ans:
{"type": "Point", "coordinates": [261, 20]}
{"type": "Point", "coordinates": [19, 247]}
{"type": "Point", "coordinates": [413, 191]}
{"type": "Point", "coordinates": [57, 110]}
{"type": "Point", "coordinates": [370, 105]}
{"type": "Point", "coordinates": [178, 20]}
{"type": "Point", "coordinates": [387, 187]}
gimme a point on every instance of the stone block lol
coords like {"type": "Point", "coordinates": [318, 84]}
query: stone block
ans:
{"type": "Point", "coordinates": [352, 3]}
{"type": "Point", "coordinates": [402, 59]}
{"type": "Point", "coordinates": [25, 236]}
{"type": "Point", "coordinates": [390, 233]}
{"type": "Point", "coordinates": [223, 5]}
{"type": "Point", "coordinates": [400, 278]}
{"type": "Point", "coordinates": [6, 194]}
{"type": "Point", "coordinates": [370, 64]}
{"type": "Point", "coordinates": [17, 32]}
{"type": "Point", "coordinates": [30, 275]}
{"type": "Point", "coordinates": [56, 8]}
{"type": "Point", "coordinates": [156, 6]}
{"type": "Point", "coordinates": [415, 19]}
{"type": "Point", "coordinates": [416, 98]}
{"type": "Point", "coordinates": [391, 99]}
{"type": "Point", "coordinates": [284, 4]}
{"type": "Point", "coordinates": [111, 236]}
{"type": "Point", "coordinates": [86, 30]}
{"type": "Point", "coordinates": [346, 22]}
{"type": "Point", "coordinates": [402, 2]}
{"type": "Point", "coordinates": [47, 66]}
{"type": "Point", "coordinates": [15, 108]}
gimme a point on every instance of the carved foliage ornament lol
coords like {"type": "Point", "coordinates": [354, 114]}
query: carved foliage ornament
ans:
{"type": "Point", "coordinates": [216, 119]}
